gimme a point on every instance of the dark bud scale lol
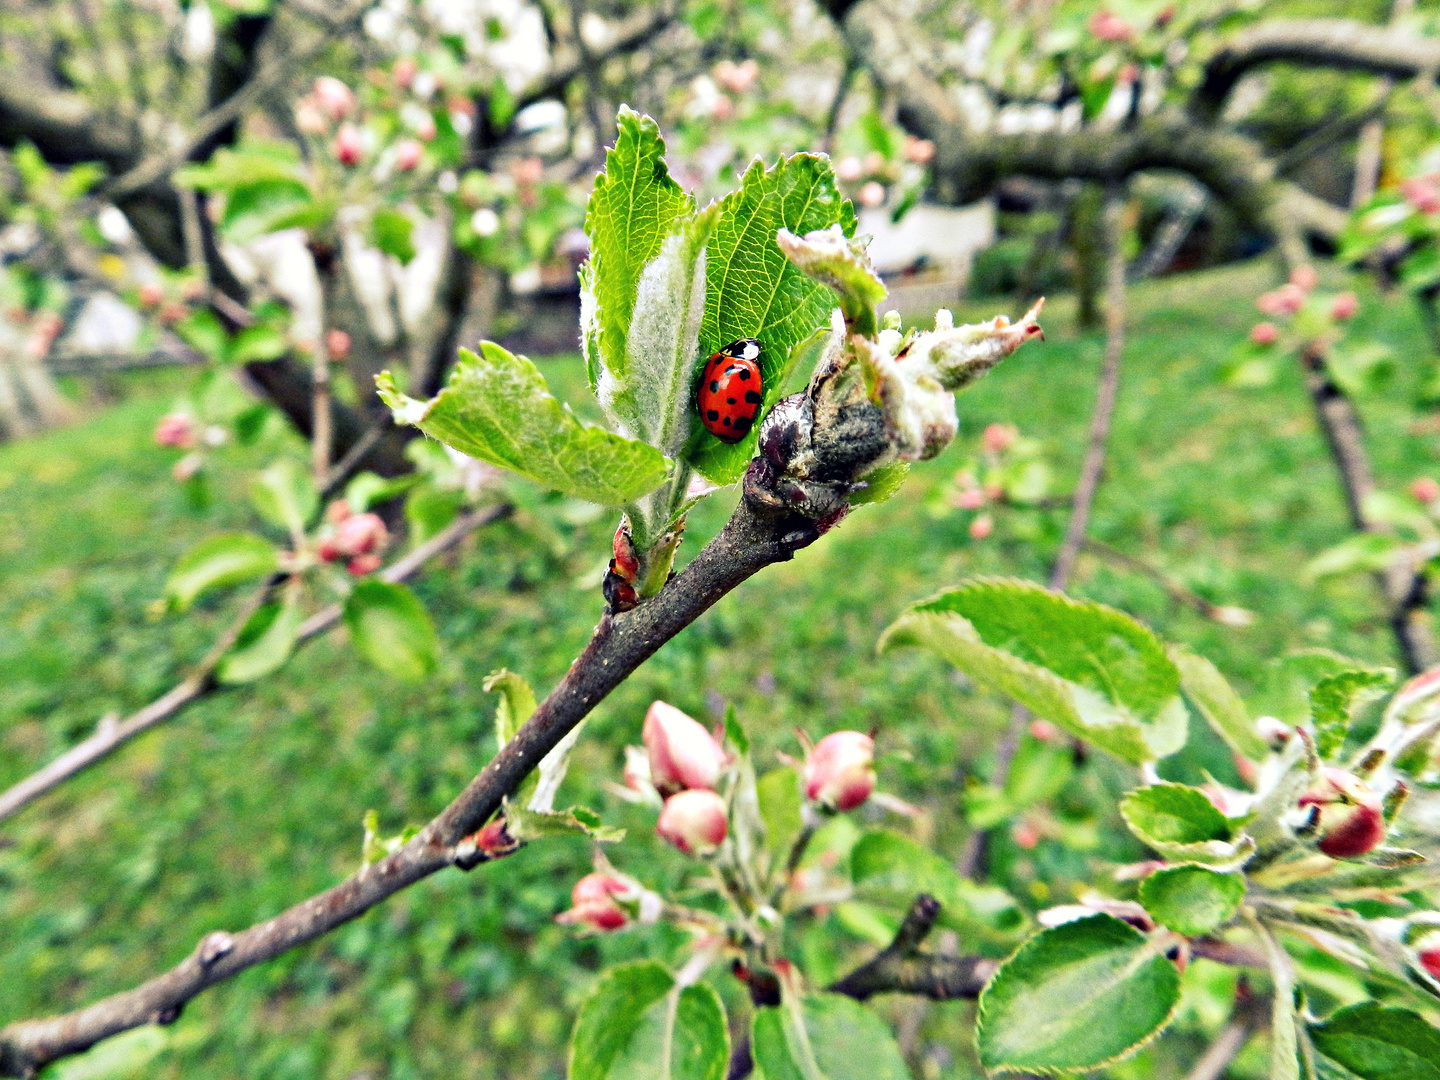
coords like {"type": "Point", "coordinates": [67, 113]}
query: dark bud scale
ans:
{"type": "Point", "coordinates": [730, 393]}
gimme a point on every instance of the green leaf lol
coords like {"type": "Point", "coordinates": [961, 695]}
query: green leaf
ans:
{"type": "Point", "coordinates": [1180, 823]}
{"type": "Point", "coordinates": [517, 702]}
{"type": "Point", "coordinates": [881, 484]}
{"type": "Point", "coordinates": [633, 207]}
{"type": "Point", "coordinates": [1191, 899]}
{"type": "Point", "coordinates": [844, 1039]}
{"type": "Point", "coordinates": [429, 509]}
{"type": "Point", "coordinates": [126, 1055]}
{"type": "Point", "coordinates": [734, 732]}
{"type": "Point", "coordinates": [634, 1014]}
{"type": "Point", "coordinates": [753, 291]}
{"type": "Point", "coordinates": [526, 825]}
{"type": "Point", "coordinates": [1376, 1043]}
{"type": "Point", "coordinates": [1088, 668]}
{"type": "Point", "coordinates": [839, 262]}
{"type": "Point", "coordinates": [778, 792]}
{"type": "Point", "coordinates": [392, 629]}
{"type": "Point", "coordinates": [391, 232]}
{"type": "Point", "coordinates": [891, 870]}
{"type": "Point", "coordinates": [367, 489]}
{"type": "Point", "coordinates": [1335, 699]}
{"type": "Point", "coordinates": [203, 332]}
{"type": "Point", "coordinates": [218, 562]}
{"type": "Point", "coordinates": [497, 408]}
{"type": "Point", "coordinates": [1363, 552]}
{"type": "Point", "coordinates": [265, 643]}
{"type": "Point", "coordinates": [264, 206]}
{"type": "Point", "coordinates": [258, 342]}
{"type": "Point", "coordinates": [1077, 996]}
{"type": "Point", "coordinates": [284, 495]}
{"type": "Point", "coordinates": [1218, 702]}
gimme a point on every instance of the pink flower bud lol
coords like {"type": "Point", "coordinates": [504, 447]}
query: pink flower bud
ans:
{"type": "Point", "coordinates": [1275, 732]}
{"type": "Point", "coordinates": [999, 437]}
{"type": "Point", "coordinates": [1107, 26]}
{"type": "Point", "coordinates": [737, 78]}
{"type": "Point", "coordinates": [1304, 277]}
{"type": "Point", "coordinates": [425, 128]}
{"type": "Point", "coordinates": [404, 72]}
{"type": "Point", "coordinates": [1426, 489]}
{"type": "Point", "coordinates": [361, 534]}
{"type": "Point", "coordinates": [187, 467]}
{"type": "Point", "coordinates": [872, 194]}
{"type": "Point", "coordinates": [337, 511]}
{"type": "Point", "coordinates": [334, 97]}
{"type": "Point", "coordinates": [1422, 193]}
{"type": "Point", "coordinates": [151, 295]}
{"type": "Point", "coordinates": [1352, 820]}
{"type": "Point", "coordinates": [592, 903]}
{"type": "Point", "coordinates": [527, 172]}
{"type": "Point", "coordinates": [310, 119]}
{"type": "Point", "coordinates": [328, 551]}
{"type": "Point", "coordinates": [1344, 306]}
{"type": "Point", "coordinates": [682, 753]}
{"type": "Point", "coordinates": [494, 840]}
{"type": "Point", "coordinates": [840, 771]}
{"type": "Point", "coordinates": [694, 821]}
{"type": "Point", "coordinates": [407, 154]}
{"type": "Point", "coordinates": [1044, 730]}
{"type": "Point", "coordinates": [920, 151]}
{"type": "Point", "coordinates": [348, 146]}
{"type": "Point", "coordinates": [361, 565]}
{"type": "Point", "coordinates": [337, 344]}
{"type": "Point", "coordinates": [849, 169]}
{"type": "Point", "coordinates": [970, 499]}
{"type": "Point", "coordinates": [982, 526]}
{"type": "Point", "coordinates": [176, 429]}
{"type": "Point", "coordinates": [722, 108]}
{"type": "Point", "coordinates": [1286, 300]}
{"type": "Point", "coordinates": [1427, 949]}
{"type": "Point", "coordinates": [1264, 333]}
{"type": "Point", "coordinates": [1025, 835]}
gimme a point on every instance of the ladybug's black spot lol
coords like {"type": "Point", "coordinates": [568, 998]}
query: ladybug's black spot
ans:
{"type": "Point", "coordinates": [712, 416]}
{"type": "Point", "coordinates": [714, 387]}
{"type": "Point", "coordinates": [744, 373]}
{"type": "Point", "coordinates": [726, 421]}
{"type": "Point", "coordinates": [742, 424]}
{"type": "Point", "coordinates": [752, 397]}
{"type": "Point", "coordinates": [729, 401]}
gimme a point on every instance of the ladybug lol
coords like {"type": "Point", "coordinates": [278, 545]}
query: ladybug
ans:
{"type": "Point", "coordinates": [730, 392]}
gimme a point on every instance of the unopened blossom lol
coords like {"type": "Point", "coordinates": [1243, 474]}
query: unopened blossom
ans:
{"type": "Point", "coordinates": [971, 498]}
{"type": "Point", "coordinates": [840, 770]}
{"type": "Point", "coordinates": [1422, 193]}
{"type": "Point", "coordinates": [334, 97]}
{"type": "Point", "coordinates": [310, 118]}
{"type": "Point", "coordinates": [361, 565]}
{"type": "Point", "coordinates": [682, 753]}
{"type": "Point", "coordinates": [1344, 306]}
{"type": "Point", "coordinates": [337, 344]}
{"type": "Point", "coordinates": [151, 295]}
{"type": "Point", "coordinates": [1264, 333]}
{"type": "Point", "coordinates": [361, 534]}
{"type": "Point", "coordinates": [1304, 277]}
{"type": "Point", "coordinates": [349, 147]}
{"type": "Point", "coordinates": [407, 154]}
{"type": "Point", "coordinates": [737, 78]}
{"type": "Point", "coordinates": [694, 821]}
{"type": "Point", "coordinates": [849, 169]}
{"type": "Point", "coordinates": [1352, 819]}
{"type": "Point", "coordinates": [920, 151]}
{"type": "Point", "coordinates": [982, 527]}
{"type": "Point", "coordinates": [1286, 300]}
{"type": "Point", "coordinates": [872, 194]}
{"type": "Point", "coordinates": [997, 438]}
{"type": "Point", "coordinates": [1427, 950]}
{"type": "Point", "coordinates": [404, 72]}
{"type": "Point", "coordinates": [176, 429]}
{"type": "Point", "coordinates": [1426, 489]}
{"type": "Point", "coordinates": [1107, 26]}
{"type": "Point", "coordinates": [592, 903]}
{"type": "Point", "coordinates": [425, 128]}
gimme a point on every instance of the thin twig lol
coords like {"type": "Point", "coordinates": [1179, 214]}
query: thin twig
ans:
{"type": "Point", "coordinates": [341, 470]}
{"type": "Point", "coordinates": [1221, 613]}
{"type": "Point", "coordinates": [201, 682]}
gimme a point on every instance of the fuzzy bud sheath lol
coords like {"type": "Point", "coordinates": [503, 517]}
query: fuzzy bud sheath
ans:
{"type": "Point", "coordinates": [877, 397]}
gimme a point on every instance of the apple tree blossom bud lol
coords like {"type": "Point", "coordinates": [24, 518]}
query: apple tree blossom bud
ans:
{"type": "Point", "coordinates": [850, 169]}
{"type": "Point", "coordinates": [176, 429]}
{"type": "Point", "coordinates": [1107, 26]}
{"type": "Point", "coordinates": [694, 821]}
{"type": "Point", "coordinates": [337, 344]}
{"type": "Point", "coordinates": [407, 154]}
{"type": "Point", "coordinates": [840, 771]}
{"type": "Point", "coordinates": [1304, 277]}
{"type": "Point", "coordinates": [310, 118]}
{"type": "Point", "coordinates": [1352, 819]}
{"type": "Point", "coordinates": [494, 840]}
{"type": "Point", "coordinates": [982, 527]}
{"type": "Point", "coordinates": [151, 295]}
{"type": "Point", "coordinates": [970, 498]}
{"type": "Point", "coordinates": [361, 565]}
{"type": "Point", "coordinates": [998, 438]}
{"type": "Point", "coordinates": [1275, 732]}
{"type": "Point", "coordinates": [872, 194]}
{"type": "Point", "coordinates": [920, 151]}
{"type": "Point", "coordinates": [361, 534]}
{"type": "Point", "coordinates": [1422, 193]}
{"type": "Point", "coordinates": [1427, 949]}
{"type": "Point", "coordinates": [1286, 300]}
{"type": "Point", "coordinates": [348, 146]}
{"type": "Point", "coordinates": [425, 128]}
{"type": "Point", "coordinates": [337, 511]}
{"type": "Point", "coordinates": [1264, 333]}
{"type": "Point", "coordinates": [1425, 488]}
{"type": "Point", "coordinates": [404, 71]}
{"type": "Point", "coordinates": [682, 753]}
{"type": "Point", "coordinates": [1344, 306]}
{"type": "Point", "coordinates": [334, 97]}
{"type": "Point", "coordinates": [592, 903]}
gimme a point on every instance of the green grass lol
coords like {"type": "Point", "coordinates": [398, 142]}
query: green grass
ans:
{"type": "Point", "coordinates": [252, 800]}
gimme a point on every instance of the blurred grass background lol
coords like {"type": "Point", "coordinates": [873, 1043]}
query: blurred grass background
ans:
{"type": "Point", "coordinates": [253, 800]}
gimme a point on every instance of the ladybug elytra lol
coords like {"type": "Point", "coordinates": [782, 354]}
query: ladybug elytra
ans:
{"type": "Point", "coordinates": [730, 393]}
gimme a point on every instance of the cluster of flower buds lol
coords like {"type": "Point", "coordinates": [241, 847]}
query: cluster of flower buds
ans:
{"type": "Point", "coordinates": [874, 173]}
{"type": "Point", "coordinates": [607, 900]}
{"type": "Point", "coordinates": [685, 764]}
{"type": "Point", "coordinates": [1288, 299]}
{"type": "Point", "coordinates": [356, 538]}
{"type": "Point", "coordinates": [1348, 815]}
{"type": "Point", "coordinates": [1107, 26]}
{"type": "Point", "coordinates": [970, 493]}
{"type": "Point", "coordinates": [840, 770]}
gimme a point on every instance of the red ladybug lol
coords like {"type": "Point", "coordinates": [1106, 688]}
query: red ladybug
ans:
{"type": "Point", "coordinates": [730, 393]}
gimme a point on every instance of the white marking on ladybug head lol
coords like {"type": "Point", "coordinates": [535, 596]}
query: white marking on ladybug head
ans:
{"type": "Point", "coordinates": [751, 351]}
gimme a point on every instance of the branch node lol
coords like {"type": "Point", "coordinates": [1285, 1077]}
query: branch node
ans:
{"type": "Point", "coordinates": [213, 946]}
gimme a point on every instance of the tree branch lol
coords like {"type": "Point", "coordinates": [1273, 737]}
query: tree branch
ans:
{"type": "Point", "coordinates": [621, 642]}
{"type": "Point", "coordinates": [901, 968]}
{"type": "Point", "coordinates": [201, 683]}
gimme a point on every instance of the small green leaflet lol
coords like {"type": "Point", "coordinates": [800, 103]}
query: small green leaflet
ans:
{"type": "Point", "coordinates": [1090, 669]}
{"type": "Point", "coordinates": [635, 204]}
{"type": "Point", "coordinates": [265, 643]}
{"type": "Point", "coordinates": [634, 1014]}
{"type": "Point", "coordinates": [1077, 996]}
{"type": "Point", "coordinates": [1335, 699]}
{"type": "Point", "coordinates": [1180, 823]}
{"type": "Point", "coordinates": [754, 291]}
{"type": "Point", "coordinates": [1218, 702]}
{"type": "Point", "coordinates": [1191, 899]}
{"type": "Point", "coordinates": [497, 408]}
{"type": "Point", "coordinates": [391, 628]}
{"type": "Point", "coordinates": [218, 562]}
{"type": "Point", "coordinates": [517, 702]}
{"type": "Point", "coordinates": [284, 495]}
{"type": "Point", "coordinates": [391, 232]}
{"type": "Point", "coordinates": [844, 1040]}
{"type": "Point", "coordinates": [1376, 1043]}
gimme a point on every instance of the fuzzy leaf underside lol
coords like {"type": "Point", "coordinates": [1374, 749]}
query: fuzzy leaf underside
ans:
{"type": "Point", "coordinates": [847, 1041]}
{"type": "Point", "coordinates": [1192, 899]}
{"type": "Point", "coordinates": [1086, 667]}
{"type": "Point", "coordinates": [1077, 996]}
{"type": "Point", "coordinates": [1180, 823]}
{"type": "Point", "coordinates": [497, 408]}
{"type": "Point", "coordinates": [620, 1033]}
{"type": "Point", "coordinates": [635, 204]}
{"type": "Point", "coordinates": [754, 291]}
{"type": "Point", "coordinates": [1217, 702]}
{"type": "Point", "coordinates": [1378, 1043]}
